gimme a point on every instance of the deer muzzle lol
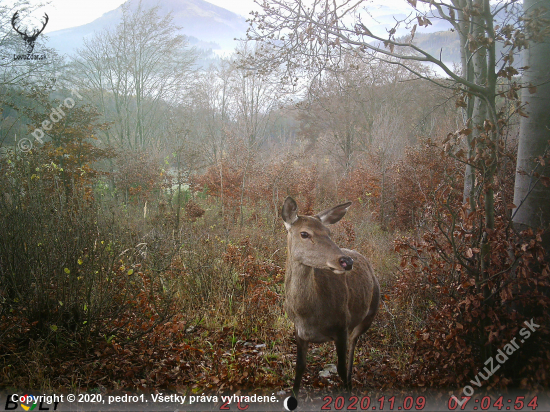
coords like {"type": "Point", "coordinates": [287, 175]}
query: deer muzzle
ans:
{"type": "Point", "coordinates": [346, 262]}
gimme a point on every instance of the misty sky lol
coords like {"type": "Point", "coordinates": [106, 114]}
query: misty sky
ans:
{"type": "Point", "coordinates": [70, 13]}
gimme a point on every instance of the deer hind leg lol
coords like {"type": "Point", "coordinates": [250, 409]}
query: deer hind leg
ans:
{"type": "Point", "coordinates": [301, 355]}
{"type": "Point", "coordinates": [363, 327]}
{"type": "Point", "coordinates": [358, 331]}
{"type": "Point", "coordinates": [353, 342]}
{"type": "Point", "coordinates": [342, 352]}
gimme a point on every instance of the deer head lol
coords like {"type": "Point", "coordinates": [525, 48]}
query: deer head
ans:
{"type": "Point", "coordinates": [309, 240]}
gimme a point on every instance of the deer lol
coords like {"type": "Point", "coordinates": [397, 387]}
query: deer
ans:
{"type": "Point", "coordinates": [30, 39]}
{"type": "Point", "coordinates": [331, 293]}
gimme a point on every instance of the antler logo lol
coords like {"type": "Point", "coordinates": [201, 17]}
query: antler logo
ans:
{"type": "Point", "coordinates": [30, 39]}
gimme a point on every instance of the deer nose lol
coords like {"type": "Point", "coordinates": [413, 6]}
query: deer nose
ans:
{"type": "Point", "coordinates": [346, 262]}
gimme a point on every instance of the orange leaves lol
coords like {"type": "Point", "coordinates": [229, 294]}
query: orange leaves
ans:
{"type": "Point", "coordinates": [470, 252]}
{"type": "Point", "coordinates": [259, 281]}
{"type": "Point", "coordinates": [509, 72]}
{"type": "Point", "coordinates": [481, 317]}
{"type": "Point", "coordinates": [545, 180]}
{"type": "Point", "coordinates": [470, 282]}
{"type": "Point", "coordinates": [137, 175]}
{"type": "Point", "coordinates": [193, 211]}
{"type": "Point", "coordinates": [360, 185]}
{"type": "Point", "coordinates": [416, 178]}
{"type": "Point", "coordinates": [466, 131]}
{"type": "Point", "coordinates": [460, 102]}
{"type": "Point", "coordinates": [468, 311]}
{"type": "Point", "coordinates": [258, 182]}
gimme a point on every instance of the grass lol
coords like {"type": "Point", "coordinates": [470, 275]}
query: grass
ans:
{"type": "Point", "coordinates": [226, 283]}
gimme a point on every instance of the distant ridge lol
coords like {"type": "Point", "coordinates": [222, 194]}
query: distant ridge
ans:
{"type": "Point", "coordinates": [211, 26]}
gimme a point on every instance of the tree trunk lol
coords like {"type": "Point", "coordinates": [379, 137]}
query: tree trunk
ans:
{"type": "Point", "coordinates": [531, 197]}
{"type": "Point", "coordinates": [468, 74]}
{"type": "Point", "coordinates": [221, 191]}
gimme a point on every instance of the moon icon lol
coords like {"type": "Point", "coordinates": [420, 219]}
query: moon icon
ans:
{"type": "Point", "coordinates": [290, 403]}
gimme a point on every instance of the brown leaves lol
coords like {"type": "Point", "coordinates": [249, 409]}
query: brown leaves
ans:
{"type": "Point", "coordinates": [465, 131]}
{"type": "Point", "coordinates": [508, 72]}
{"type": "Point", "coordinates": [413, 32]}
{"type": "Point", "coordinates": [471, 310]}
{"type": "Point", "coordinates": [460, 102]}
{"type": "Point", "coordinates": [470, 282]}
{"type": "Point", "coordinates": [423, 21]}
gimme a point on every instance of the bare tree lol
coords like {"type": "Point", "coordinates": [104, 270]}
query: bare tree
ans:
{"type": "Point", "coordinates": [255, 95]}
{"type": "Point", "coordinates": [136, 70]}
{"type": "Point", "coordinates": [313, 36]}
{"type": "Point", "coordinates": [341, 105]}
{"type": "Point", "coordinates": [208, 110]}
{"type": "Point", "coordinates": [338, 111]}
{"type": "Point", "coordinates": [387, 142]}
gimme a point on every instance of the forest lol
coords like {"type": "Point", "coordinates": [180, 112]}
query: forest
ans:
{"type": "Point", "coordinates": [142, 247]}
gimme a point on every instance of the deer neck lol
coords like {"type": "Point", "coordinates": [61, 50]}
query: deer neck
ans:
{"type": "Point", "coordinates": [301, 294]}
{"type": "Point", "coordinates": [299, 278]}
{"type": "Point", "coordinates": [295, 271]}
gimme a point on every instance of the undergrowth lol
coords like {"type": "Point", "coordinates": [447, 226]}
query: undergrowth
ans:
{"type": "Point", "coordinates": [105, 291]}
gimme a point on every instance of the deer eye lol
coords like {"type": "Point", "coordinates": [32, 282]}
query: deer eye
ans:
{"type": "Point", "coordinates": [304, 235]}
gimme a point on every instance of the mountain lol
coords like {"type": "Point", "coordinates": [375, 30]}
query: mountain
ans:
{"type": "Point", "coordinates": [437, 38]}
{"type": "Point", "coordinates": [444, 45]}
{"type": "Point", "coordinates": [209, 26]}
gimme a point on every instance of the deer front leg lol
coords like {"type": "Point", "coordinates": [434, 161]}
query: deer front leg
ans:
{"type": "Point", "coordinates": [301, 355]}
{"type": "Point", "coordinates": [342, 353]}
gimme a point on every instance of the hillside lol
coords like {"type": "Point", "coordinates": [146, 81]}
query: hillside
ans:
{"type": "Point", "coordinates": [212, 27]}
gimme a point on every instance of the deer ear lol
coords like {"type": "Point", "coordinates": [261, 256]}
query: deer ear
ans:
{"type": "Point", "coordinates": [289, 212]}
{"type": "Point", "coordinates": [333, 215]}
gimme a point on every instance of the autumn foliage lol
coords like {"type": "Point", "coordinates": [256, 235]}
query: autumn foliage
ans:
{"type": "Point", "coordinates": [128, 284]}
